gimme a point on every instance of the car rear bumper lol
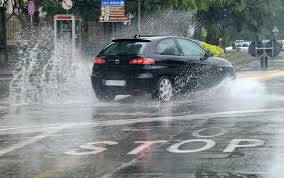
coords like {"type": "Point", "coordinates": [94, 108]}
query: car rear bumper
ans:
{"type": "Point", "coordinates": [141, 83]}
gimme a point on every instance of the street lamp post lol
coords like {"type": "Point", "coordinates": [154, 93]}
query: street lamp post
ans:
{"type": "Point", "coordinates": [139, 17]}
{"type": "Point", "coordinates": [225, 29]}
{"type": "Point", "coordinates": [3, 27]}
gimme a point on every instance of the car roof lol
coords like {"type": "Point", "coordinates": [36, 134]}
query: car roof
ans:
{"type": "Point", "coordinates": [146, 38]}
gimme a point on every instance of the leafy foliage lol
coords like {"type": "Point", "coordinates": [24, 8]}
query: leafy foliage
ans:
{"type": "Point", "coordinates": [216, 50]}
{"type": "Point", "coordinates": [254, 17]}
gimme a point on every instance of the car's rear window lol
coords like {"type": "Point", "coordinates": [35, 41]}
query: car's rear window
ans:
{"type": "Point", "coordinates": [125, 48]}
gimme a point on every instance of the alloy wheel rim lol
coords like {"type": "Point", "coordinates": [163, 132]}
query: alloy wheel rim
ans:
{"type": "Point", "coordinates": [165, 89]}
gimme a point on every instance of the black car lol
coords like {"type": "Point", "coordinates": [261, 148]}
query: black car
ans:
{"type": "Point", "coordinates": [160, 65]}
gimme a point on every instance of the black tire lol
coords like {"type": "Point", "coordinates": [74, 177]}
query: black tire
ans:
{"type": "Point", "coordinates": [157, 93]}
{"type": "Point", "coordinates": [104, 96]}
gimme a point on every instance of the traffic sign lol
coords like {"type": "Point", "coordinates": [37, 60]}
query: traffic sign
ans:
{"type": "Point", "coordinates": [275, 30]}
{"type": "Point", "coordinates": [31, 8]}
{"type": "Point", "coordinates": [117, 11]}
{"type": "Point", "coordinates": [113, 11]}
{"type": "Point", "coordinates": [254, 49]}
{"type": "Point", "coordinates": [105, 11]}
{"type": "Point", "coordinates": [118, 18]}
{"type": "Point", "coordinates": [113, 18]}
{"type": "Point", "coordinates": [113, 3]}
{"type": "Point", "coordinates": [104, 18]}
{"type": "Point", "coordinates": [67, 4]}
{"type": "Point", "coordinates": [273, 48]}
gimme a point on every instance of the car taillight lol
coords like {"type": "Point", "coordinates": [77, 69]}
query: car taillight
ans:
{"type": "Point", "coordinates": [100, 61]}
{"type": "Point", "coordinates": [142, 61]}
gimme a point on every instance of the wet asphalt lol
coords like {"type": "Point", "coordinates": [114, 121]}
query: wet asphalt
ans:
{"type": "Point", "coordinates": [233, 130]}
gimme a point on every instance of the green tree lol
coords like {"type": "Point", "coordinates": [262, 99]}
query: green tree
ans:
{"type": "Point", "coordinates": [256, 17]}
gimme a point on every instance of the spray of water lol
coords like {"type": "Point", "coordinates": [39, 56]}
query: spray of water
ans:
{"type": "Point", "coordinates": [47, 76]}
{"type": "Point", "coordinates": [175, 23]}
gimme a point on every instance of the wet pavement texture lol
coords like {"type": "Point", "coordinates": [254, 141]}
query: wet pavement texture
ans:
{"type": "Point", "coordinates": [233, 130]}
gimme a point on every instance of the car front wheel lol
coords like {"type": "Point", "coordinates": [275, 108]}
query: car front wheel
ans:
{"type": "Point", "coordinates": [163, 90]}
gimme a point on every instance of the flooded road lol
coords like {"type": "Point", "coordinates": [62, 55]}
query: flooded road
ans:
{"type": "Point", "coordinates": [234, 130]}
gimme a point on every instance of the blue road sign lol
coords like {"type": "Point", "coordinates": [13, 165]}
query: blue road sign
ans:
{"type": "Point", "coordinates": [113, 3]}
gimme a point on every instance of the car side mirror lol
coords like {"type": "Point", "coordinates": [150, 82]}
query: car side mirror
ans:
{"type": "Point", "coordinates": [207, 55]}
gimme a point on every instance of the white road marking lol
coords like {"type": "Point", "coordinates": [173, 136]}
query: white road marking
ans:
{"type": "Point", "coordinates": [145, 145]}
{"type": "Point", "coordinates": [57, 127]}
{"type": "Point", "coordinates": [208, 145]}
{"type": "Point", "coordinates": [31, 140]}
{"type": "Point", "coordinates": [25, 143]}
{"type": "Point", "coordinates": [118, 122]}
{"type": "Point", "coordinates": [212, 115]}
{"type": "Point", "coordinates": [196, 133]}
{"type": "Point", "coordinates": [137, 158]}
{"type": "Point", "coordinates": [235, 143]}
{"type": "Point", "coordinates": [90, 148]}
{"type": "Point", "coordinates": [135, 130]}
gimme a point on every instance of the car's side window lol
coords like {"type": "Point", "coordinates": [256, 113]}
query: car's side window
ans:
{"type": "Point", "coordinates": [167, 47]}
{"type": "Point", "coordinates": [189, 48]}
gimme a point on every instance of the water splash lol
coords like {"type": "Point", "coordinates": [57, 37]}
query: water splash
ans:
{"type": "Point", "coordinates": [246, 89]}
{"type": "Point", "coordinates": [47, 76]}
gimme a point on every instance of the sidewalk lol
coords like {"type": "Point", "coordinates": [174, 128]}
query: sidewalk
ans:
{"type": "Point", "coordinates": [276, 63]}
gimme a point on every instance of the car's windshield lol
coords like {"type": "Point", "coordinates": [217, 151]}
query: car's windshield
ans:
{"type": "Point", "coordinates": [125, 48]}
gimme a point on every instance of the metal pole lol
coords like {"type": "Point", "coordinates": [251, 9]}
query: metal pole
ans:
{"type": "Point", "coordinates": [139, 17]}
{"type": "Point", "coordinates": [73, 36]}
{"type": "Point", "coordinates": [225, 29]}
{"type": "Point", "coordinates": [4, 18]}
{"type": "Point", "coordinates": [55, 33]}
{"type": "Point", "coordinates": [112, 30]}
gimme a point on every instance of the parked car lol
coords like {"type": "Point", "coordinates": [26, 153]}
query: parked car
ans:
{"type": "Point", "coordinates": [239, 46]}
{"type": "Point", "coordinates": [162, 66]}
{"type": "Point", "coordinates": [243, 46]}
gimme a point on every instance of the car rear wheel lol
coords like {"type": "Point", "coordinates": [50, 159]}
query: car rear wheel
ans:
{"type": "Point", "coordinates": [104, 96]}
{"type": "Point", "coordinates": [164, 90]}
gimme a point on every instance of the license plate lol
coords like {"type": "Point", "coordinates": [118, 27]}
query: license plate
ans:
{"type": "Point", "coordinates": [119, 83]}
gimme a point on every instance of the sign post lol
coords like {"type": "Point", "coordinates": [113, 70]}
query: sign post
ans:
{"type": "Point", "coordinates": [67, 5]}
{"type": "Point", "coordinates": [113, 11]}
{"type": "Point", "coordinates": [270, 49]}
{"type": "Point", "coordinates": [31, 10]}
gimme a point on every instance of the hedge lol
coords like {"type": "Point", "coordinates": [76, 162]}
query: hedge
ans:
{"type": "Point", "coordinates": [216, 50]}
